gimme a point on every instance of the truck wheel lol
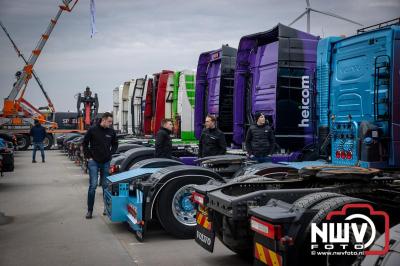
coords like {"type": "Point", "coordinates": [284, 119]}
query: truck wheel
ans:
{"type": "Point", "coordinates": [324, 208]}
{"type": "Point", "coordinates": [310, 200]}
{"type": "Point", "coordinates": [175, 211]}
{"type": "Point", "coordinates": [236, 237]}
{"type": "Point", "coordinates": [23, 142]}
{"type": "Point", "coordinates": [332, 204]}
{"type": "Point", "coordinates": [48, 142]}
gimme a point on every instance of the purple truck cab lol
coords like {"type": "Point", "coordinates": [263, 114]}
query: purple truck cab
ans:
{"type": "Point", "coordinates": [214, 89]}
{"type": "Point", "coordinates": [275, 72]}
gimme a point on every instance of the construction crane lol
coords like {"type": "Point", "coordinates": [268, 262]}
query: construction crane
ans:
{"type": "Point", "coordinates": [18, 114]}
{"type": "Point", "coordinates": [50, 105]}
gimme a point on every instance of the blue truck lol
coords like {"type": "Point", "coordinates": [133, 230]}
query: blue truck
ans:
{"type": "Point", "coordinates": [156, 189]}
{"type": "Point", "coordinates": [283, 214]}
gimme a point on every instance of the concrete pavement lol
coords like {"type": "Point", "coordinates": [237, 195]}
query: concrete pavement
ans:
{"type": "Point", "coordinates": [45, 204]}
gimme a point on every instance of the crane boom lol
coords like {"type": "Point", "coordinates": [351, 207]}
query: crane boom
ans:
{"type": "Point", "coordinates": [27, 70]}
{"type": "Point", "coordinates": [20, 54]}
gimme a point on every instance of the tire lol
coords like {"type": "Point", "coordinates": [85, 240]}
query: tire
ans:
{"type": "Point", "coordinates": [324, 208]}
{"type": "Point", "coordinates": [48, 142]}
{"type": "Point", "coordinates": [242, 242]}
{"type": "Point", "coordinates": [310, 200]}
{"type": "Point", "coordinates": [165, 213]}
{"type": "Point", "coordinates": [332, 204]}
{"type": "Point", "coordinates": [23, 142]}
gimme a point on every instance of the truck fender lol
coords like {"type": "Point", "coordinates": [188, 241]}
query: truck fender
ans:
{"type": "Point", "coordinates": [156, 163]}
{"type": "Point", "coordinates": [135, 155]}
{"type": "Point", "coordinates": [166, 175]}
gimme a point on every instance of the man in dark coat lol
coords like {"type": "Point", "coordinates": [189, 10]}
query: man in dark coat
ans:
{"type": "Point", "coordinates": [260, 139]}
{"type": "Point", "coordinates": [163, 140]}
{"type": "Point", "coordinates": [38, 134]}
{"type": "Point", "coordinates": [212, 141]}
{"type": "Point", "coordinates": [99, 143]}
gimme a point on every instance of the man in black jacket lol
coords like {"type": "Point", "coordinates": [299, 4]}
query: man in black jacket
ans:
{"type": "Point", "coordinates": [260, 139]}
{"type": "Point", "coordinates": [99, 143]}
{"type": "Point", "coordinates": [163, 140]}
{"type": "Point", "coordinates": [212, 141]}
{"type": "Point", "coordinates": [38, 134]}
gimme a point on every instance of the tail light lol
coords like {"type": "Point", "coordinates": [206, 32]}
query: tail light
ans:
{"type": "Point", "coordinates": [343, 154]}
{"type": "Point", "coordinates": [337, 154]}
{"type": "Point", "coordinates": [114, 168]}
{"type": "Point", "coordinates": [269, 230]}
{"type": "Point", "coordinates": [198, 198]}
{"type": "Point", "coordinates": [349, 155]}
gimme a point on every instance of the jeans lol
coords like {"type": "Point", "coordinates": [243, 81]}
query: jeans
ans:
{"type": "Point", "coordinates": [94, 169]}
{"type": "Point", "coordinates": [37, 146]}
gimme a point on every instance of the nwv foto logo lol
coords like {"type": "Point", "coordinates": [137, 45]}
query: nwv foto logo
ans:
{"type": "Point", "coordinates": [355, 231]}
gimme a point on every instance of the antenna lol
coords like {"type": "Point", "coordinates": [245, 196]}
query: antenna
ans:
{"type": "Point", "coordinates": [330, 14]}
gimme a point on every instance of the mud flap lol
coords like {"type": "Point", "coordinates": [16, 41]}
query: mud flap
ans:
{"type": "Point", "coordinates": [205, 238]}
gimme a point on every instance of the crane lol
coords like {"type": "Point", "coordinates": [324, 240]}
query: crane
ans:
{"type": "Point", "coordinates": [88, 114]}
{"type": "Point", "coordinates": [21, 55]}
{"type": "Point", "coordinates": [15, 106]}
{"type": "Point", "coordinates": [18, 114]}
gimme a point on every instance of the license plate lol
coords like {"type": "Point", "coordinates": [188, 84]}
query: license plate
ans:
{"type": "Point", "coordinates": [205, 238]}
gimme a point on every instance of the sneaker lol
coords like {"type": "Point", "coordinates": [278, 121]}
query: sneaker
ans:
{"type": "Point", "coordinates": [33, 161]}
{"type": "Point", "coordinates": [43, 161]}
{"type": "Point", "coordinates": [89, 215]}
{"type": "Point", "coordinates": [104, 212]}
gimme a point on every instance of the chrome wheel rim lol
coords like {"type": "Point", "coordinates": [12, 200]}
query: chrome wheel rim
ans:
{"type": "Point", "coordinates": [182, 207]}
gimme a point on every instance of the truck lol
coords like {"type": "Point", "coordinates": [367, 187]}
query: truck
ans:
{"type": "Point", "coordinates": [183, 104]}
{"type": "Point", "coordinates": [148, 108]}
{"type": "Point", "coordinates": [162, 98]}
{"type": "Point", "coordinates": [287, 213]}
{"type": "Point", "coordinates": [275, 75]}
{"type": "Point", "coordinates": [136, 121]}
{"type": "Point", "coordinates": [121, 111]}
{"type": "Point", "coordinates": [214, 79]}
{"type": "Point", "coordinates": [269, 71]}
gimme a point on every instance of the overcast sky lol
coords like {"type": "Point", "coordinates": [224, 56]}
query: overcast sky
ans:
{"type": "Point", "coordinates": [138, 37]}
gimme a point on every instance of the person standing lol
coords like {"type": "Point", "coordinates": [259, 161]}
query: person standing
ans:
{"type": "Point", "coordinates": [163, 140]}
{"type": "Point", "coordinates": [212, 140]}
{"type": "Point", "coordinates": [38, 134]}
{"type": "Point", "coordinates": [260, 139]}
{"type": "Point", "coordinates": [99, 143]}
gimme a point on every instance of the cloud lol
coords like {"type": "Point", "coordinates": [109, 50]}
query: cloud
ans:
{"type": "Point", "coordinates": [138, 37]}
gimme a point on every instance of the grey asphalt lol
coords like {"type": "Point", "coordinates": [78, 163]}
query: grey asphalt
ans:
{"type": "Point", "coordinates": [42, 208]}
